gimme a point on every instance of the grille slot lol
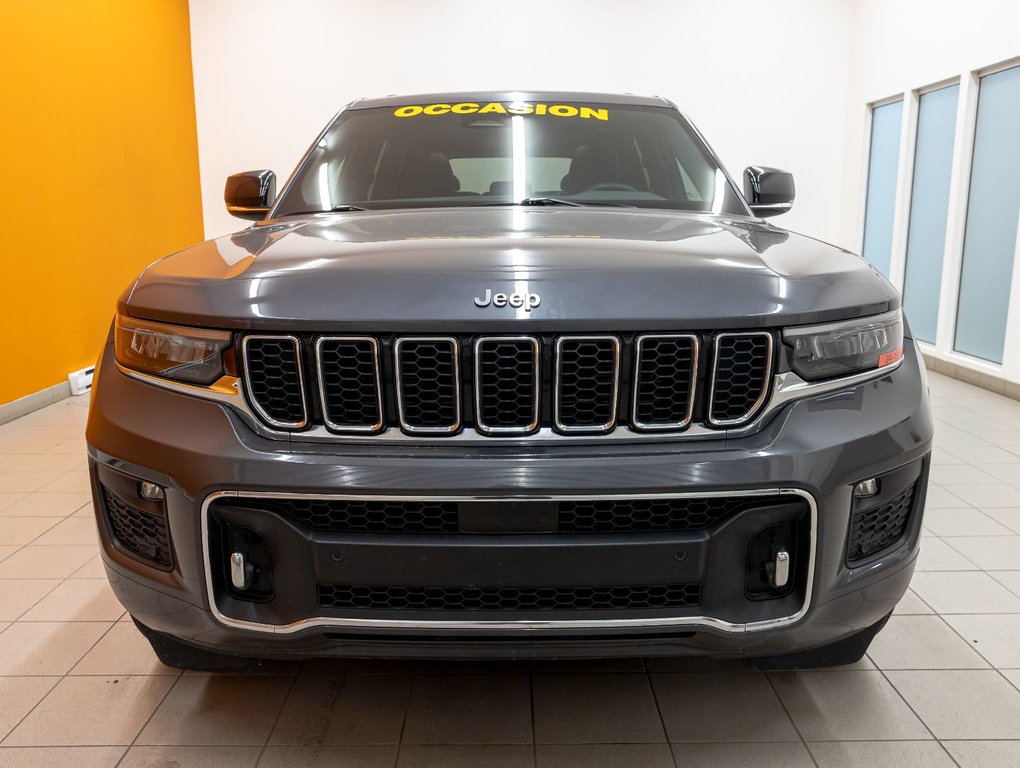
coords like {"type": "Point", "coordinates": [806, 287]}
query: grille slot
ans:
{"type": "Point", "coordinates": [428, 384]}
{"type": "Point", "coordinates": [272, 366]}
{"type": "Point", "coordinates": [873, 530]}
{"type": "Point", "coordinates": [510, 598]}
{"type": "Point", "coordinates": [138, 531]}
{"type": "Point", "coordinates": [507, 384]}
{"type": "Point", "coordinates": [740, 378]}
{"type": "Point", "coordinates": [349, 383]}
{"type": "Point", "coordinates": [587, 383]}
{"type": "Point", "coordinates": [643, 515]}
{"type": "Point", "coordinates": [665, 376]}
{"type": "Point", "coordinates": [360, 516]}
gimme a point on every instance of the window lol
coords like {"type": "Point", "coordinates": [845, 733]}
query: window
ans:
{"type": "Point", "coordinates": [882, 166]}
{"type": "Point", "coordinates": [992, 210]}
{"type": "Point", "coordinates": [929, 209]}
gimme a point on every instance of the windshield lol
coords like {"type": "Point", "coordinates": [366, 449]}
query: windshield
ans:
{"type": "Point", "coordinates": [506, 153]}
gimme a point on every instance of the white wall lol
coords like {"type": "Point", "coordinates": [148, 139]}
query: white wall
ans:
{"type": "Point", "coordinates": [765, 82]}
{"type": "Point", "coordinates": [896, 48]}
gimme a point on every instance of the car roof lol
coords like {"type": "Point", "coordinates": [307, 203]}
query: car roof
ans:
{"type": "Point", "coordinates": [548, 97]}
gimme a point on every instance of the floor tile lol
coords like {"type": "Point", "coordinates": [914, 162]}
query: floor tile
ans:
{"type": "Point", "coordinates": [82, 711]}
{"type": "Point", "coordinates": [43, 462]}
{"type": "Point", "coordinates": [962, 704]}
{"type": "Point", "coordinates": [964, 521]}
{"type": "Point", "coordinates": [960, 474]}
{"type": "Point", "coordinates": [9, 498]}
{"type": "Point", "coordinates": [991, 553]}
{"type": "Point", "coordinates": [985, 754]}
{"type": "Point", "coordinates": [923, 642]}
{"type": "Point", "coordinates": [45, 562]}
{"type": "Point", "coordinates": [74, 532]}
{"type": "Point", "coordinates": [191, 757]}
{"type": "Point", "coordinates": [6, 552]}
{"type": "Point", "coordinates": [17, 531]}
{"type": "Point", "coordinates": [469, 709]}
{"type": "Point", "coordinates": [78, 600]}
{"type": "Point", "coordinates": [48, 757]}
{"type": "Point", "coordinates": [985, 454]}
{"type": "Point", "coordinates": [344, 709]}
{"type": "Point", "coordinates": [76, 481]}
{"type": "Point", "coordinates": [911, 604]}
{"type": "Point", "coordinates": [19, 595]}
{"type": "Point", "coordinates": [847, 706]}
{"type": "Point", "coordinates": [93, 569]}
{"type": "Point", "coordinates": [962, 592]}
{"type": "Point", "coordinates": [25, 482]}
{"type": "Point", "coordinates": [1009, 579]}
{"type": "Point", "coordinates": [46, 648]}
{"type": "Point", "coordinates": [1007, 516]}
{"type": "Point", "coordinates": [328, 757]}
{"type": "Point", "coordinates": [604, 756]}
{"type": "Point", "coordinates": [737, 706]}
{"type": "Point", "coordinates": [988, 495]}
{"type": "Point", "coordinates": [122, 651]}
{"type": "Point", "coordinates": [217, 710]}
{"type": "Point", "coordinates": [18, 695]}
{"type": "Point", "coordinates": [939, 498]}
{"type": "Point", "coordinates": [937, 555]}
{"type": "Point", "coordinates": [994, 636]}
{"type": "Point", "coordinates": [46, 505]}
{"type": "Point", "coordinates": [774, 755]}
{"type": "Point", "coordinates": [880, 754]}
{"type": "Point", "coordinates": [509, 756]}
{"type": "Point", "coordinates": [582, 709]}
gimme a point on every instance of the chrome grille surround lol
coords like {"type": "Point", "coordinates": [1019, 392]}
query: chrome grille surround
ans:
{"type": "Point", "coordinates": [692, 394]}
{"type": "Point", "coordinates": [405, 424]}
{"type": "Point", "coordinates": [766, 378]}
{"type": "Point", "coordinates": [481, 398]}
{"type": "Point", "coordinates": [323, 394]}
{"type": "Point", "coordinates": [610, 424]}
{"type": "Point", "coordinates": [253, 399]}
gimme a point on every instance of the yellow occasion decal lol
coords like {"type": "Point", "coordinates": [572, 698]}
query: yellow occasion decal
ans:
{"type": "Point", "coordinates": [501, 108]}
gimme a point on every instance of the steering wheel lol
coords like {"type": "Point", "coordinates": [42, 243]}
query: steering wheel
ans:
{"type": "Point", "coordinates": [611, 186]}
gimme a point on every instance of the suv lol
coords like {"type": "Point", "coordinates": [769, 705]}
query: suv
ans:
{"type": "Point", "coordinates": [510, 375]}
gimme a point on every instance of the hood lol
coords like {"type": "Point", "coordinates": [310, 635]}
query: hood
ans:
{"type": "Point", "coordinates": [592, 268]}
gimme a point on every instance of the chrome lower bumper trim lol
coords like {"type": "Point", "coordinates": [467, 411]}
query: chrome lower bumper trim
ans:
{"type": "Point", "coordinates": [523, 626]}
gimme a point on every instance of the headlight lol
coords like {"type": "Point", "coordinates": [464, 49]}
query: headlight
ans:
{"type": "Point", "coordinates": [175, 352]}
{"type": "Point", "coordinates": [839, 349]}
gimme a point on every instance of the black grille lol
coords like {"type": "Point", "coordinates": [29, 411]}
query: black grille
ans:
{"type": "Point", "coordinates": [274, 379]}
{"type": "Point", "coordinates": [587, 378]}
{"type": "Point", "coordinates": [510, 598]}
{"type": "Point", "coordinates": [873, 530]}
{"type": "Point", "coordinates": [507, 382]}
{"type": "Point", "coordinates": [741, 377]}
{"type": "Point", "coordinates": [349, 381]}
{"type": "Point", "coordinates": [341, 516]}
{"type": "Point", "coordinates": [428, 388]}
{"type": "Point", "coordinates": [640, 515]}
{"type": "Point", "coordinates": [665, 374]}
{"type": "Point", "coordinates": [138, 531]}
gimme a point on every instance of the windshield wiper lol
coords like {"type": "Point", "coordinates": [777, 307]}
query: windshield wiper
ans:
{"type": "Point", "coordinates": [335, 209]}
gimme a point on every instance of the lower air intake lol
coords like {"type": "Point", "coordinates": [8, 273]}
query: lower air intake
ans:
{"type": "Point", "coordinates": [138, 531]}
{"type": "Point", "coordinates": [877, 529]}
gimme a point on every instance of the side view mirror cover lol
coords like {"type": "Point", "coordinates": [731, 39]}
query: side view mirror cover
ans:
{"type": "Point", "coordinates": [768, 191]}
{"type": "Point", "coordinates": [250, 195]}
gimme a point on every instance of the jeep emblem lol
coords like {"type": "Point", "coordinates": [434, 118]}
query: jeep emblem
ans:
{"type": "Point", "coordinates": [516, 300]}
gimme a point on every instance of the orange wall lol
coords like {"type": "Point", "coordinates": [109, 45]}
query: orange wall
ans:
{"type": "Point", "coordinates": [98, 171]}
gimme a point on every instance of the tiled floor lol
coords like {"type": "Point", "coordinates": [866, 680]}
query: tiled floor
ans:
{"type": "Point", "coordinates": [941, 685]}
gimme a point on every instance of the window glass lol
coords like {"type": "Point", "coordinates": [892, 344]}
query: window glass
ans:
{"type": "Point", "coordinates": [992, 211]}
{"type": "Point", "coordinates": [456, 155]}
{"type": "Point", "coordinates": [929, 209]}
{"type": "Point", "coordinates": [883, 162]}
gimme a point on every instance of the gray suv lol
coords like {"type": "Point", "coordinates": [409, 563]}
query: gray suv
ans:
{"type": "Point", "coordinates": [510, 375]}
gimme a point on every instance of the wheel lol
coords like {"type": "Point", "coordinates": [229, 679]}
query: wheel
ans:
{"type": "Point", "coordinates": [849, 650]}
{"type": "Point", "coordinates": [174, 653]}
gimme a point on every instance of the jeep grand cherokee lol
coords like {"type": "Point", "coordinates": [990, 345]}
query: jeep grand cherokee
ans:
{"type": "Point", "coordinates": [510, 375]}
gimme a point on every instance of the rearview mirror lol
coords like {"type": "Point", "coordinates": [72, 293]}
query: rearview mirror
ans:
{"type": "Point", "coordinates": [769, 191]}
{"type": "Point", "coordinates": [250, 195]}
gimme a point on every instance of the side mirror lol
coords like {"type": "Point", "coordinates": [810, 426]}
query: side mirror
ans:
{"type": "Point", "coordinates": [250, 195]}
{"type": "Point", "coordinates": [768, 191]}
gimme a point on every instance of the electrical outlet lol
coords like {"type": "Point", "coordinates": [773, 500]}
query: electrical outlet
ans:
{"type": "Point", "coordinates": [81, 381]}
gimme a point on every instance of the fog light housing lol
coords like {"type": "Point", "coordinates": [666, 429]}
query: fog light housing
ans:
{"type": "Point", "coordinates": [150, 491]}
{"type": "Point", "coordinates": [866, 488]}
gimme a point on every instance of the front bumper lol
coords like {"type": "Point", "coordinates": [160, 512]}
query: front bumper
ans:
{"type": "Point", "coordinates": [812, 452]}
